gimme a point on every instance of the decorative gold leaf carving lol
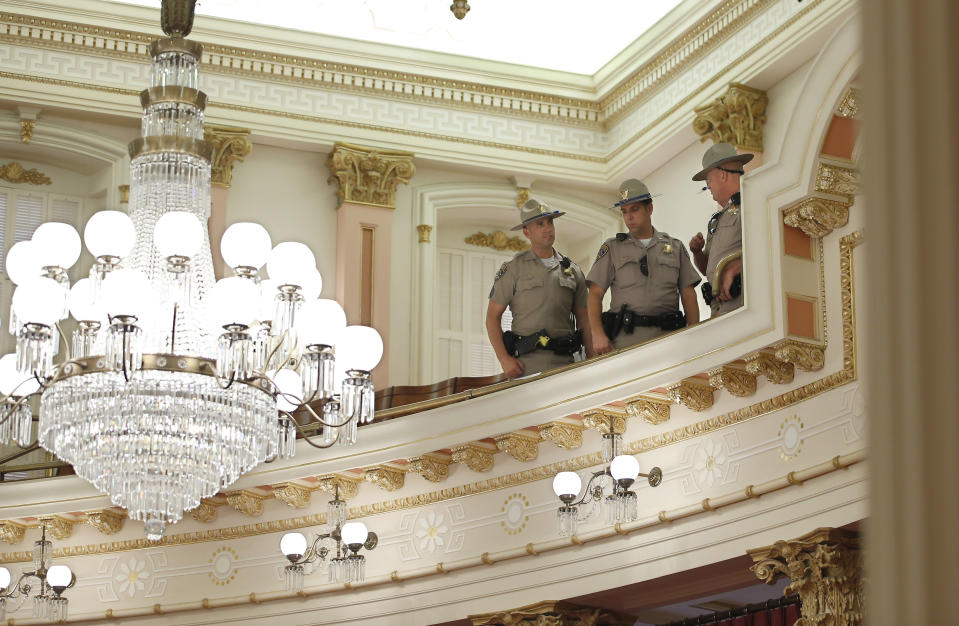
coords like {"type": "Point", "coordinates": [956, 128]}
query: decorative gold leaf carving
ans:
{"type": "Point", "coordinates": [346, 486]}
{"type": "Point", "coordinates": [11, 533]}
{"type": "Point", "coordinates": [431, 467]}
{"type": "Point", "coordinates": [231, 145]}
{"type": "Point", "coordinates": [653, 410]}
{"type": "Point", "coordinates": [246, 502]}
{"type": "Point", "coordinates": [817, 217]}
{"type": "Point", "coordinates": [476, 457]}
{"type": "Point", "coordinates": [107, 521]}
{"type": "Point", "coordinates": [424, 230]}
{"type": "Point", "coordinates": [806, 356]}
{"type": "Point", "coordinates": [522, 196]}
{"type": "Point", "coordinates": [206, 512]}
{"type": "Point", "coordinates": [849, 105]}
{"type": "Point", "coordinates": [564, 435]}
{"type": "Point", "coordinates": [295, 496]}
{"type": "Point", "coordinates": [124, 193]}
{"type": "Point", "coordinates": [694, 395]}
{"type": "Point", "coordinates": [60, 527]}
{"type": "Point", "coordinates": [367, 175]}
{"type": "Point", "coordinates": [26, 130]}
{"type": "Point", "coordinates": [736, 117]}
{"type": "Point", "coordinates": [824, 568]}
{"type": "Point", "coordinates": [736, 381]}
{"type": "Point", "coordinates": [13, 172]}
{"type": "Point", "coordinates": [766, 364]}
{"type": "Point", "coordinates": [553, 612]}
{"type": "Point", "coordinates": [835, 179]}
{"type": "Point", "coordinates": [598, 419]}
{"type": "Point", "coordinates": [497, 241]}
{"type": "Point", "coordinates": [386, 478]}
{"type": "Point", "coordinates": [520, 445]}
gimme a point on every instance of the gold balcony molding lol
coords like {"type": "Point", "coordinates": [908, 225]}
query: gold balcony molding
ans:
{"type": "Point", "coordinates": [553, 612]}
{"type": "Point", "coordinates": [367, 175]}
{"type": "Point", "coordinates": [563, 434]}
{"type": "Point", "coordinates": [599, 419]}
{"type": "Point", "coordinates": [246, 502]}
{"type": "Point", "coordinates": [817, 217]}
{"type": "Point", "coordinates": [478, 457]}
{"type": "Point", "coordinates": [497, 241]}
{"type": "Point", "coordinates": [651, 409]}
{"type": "Point", "coordinates": [736, 117]}
{"type": "Point", "coordinates": [824, 568]}
{"type": "Point", "coordinates": [15, 173]}
{"type": "Point", "coordinates": [521, 445]}
{"type": "Point", "coordinates": [60, 527]}
{"type": "Point", "coordinates": [11, 532]}
{"type": "Point", "coordinates": [432, 467]}
{"type": "Point", "coordinates": [293, 495]}
{"type": "Point", "coordinates": [772, 369]}
{"type": "Point", "coordinates": [424, 231]}
{"type": "Point", "coordinates": [230, 146]}
{"type": "Point", "coordinates": [735, 380]}
{"type": "Point", "coordinates": [339, 485]}
{"type": "Point", "coordinates": [806, 356]}
{"type": "Point", "coordinates": [837, 179]}
{"type": "Point", "coordinates": [26, 130]}
{"type": "Point", "coordinates": [694, 394]}
{"type": "Point", "coordinates": [206, 512]}
{"type": "Point", "coordinates": [386, 477]}
{"type": "Point", "coordinates": [849, 105]}
{"type": "Point", "coordinates": [107, 521]}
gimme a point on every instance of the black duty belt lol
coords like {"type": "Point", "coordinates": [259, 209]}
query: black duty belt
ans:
{"type": "Point", "coordinates": [734, 290]}
{"type": "Point", "coordinates": [625, 321]}
{"type": "Point", "coordinates": [518, 345]}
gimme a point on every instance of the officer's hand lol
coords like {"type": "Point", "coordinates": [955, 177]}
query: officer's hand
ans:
{"type": "Point", "coordinates": [601, 343]}
{"type": "Point", "coordinates": [697, 243]}
{"type": "Point", "coordinates": [512, 367]}
{"type": "Point", "coordinates": [727, 283]}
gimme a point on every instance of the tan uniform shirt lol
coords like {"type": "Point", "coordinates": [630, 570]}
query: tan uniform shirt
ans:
{"type": "Point", "coordinates": [726, 239]}
{"type": "Point", "coordinates": [539, 297]}
{"type": "Point", "coordinates": [618, 268]}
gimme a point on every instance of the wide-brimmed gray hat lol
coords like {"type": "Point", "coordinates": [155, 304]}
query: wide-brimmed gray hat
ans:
{"type": "Point", "coordinates": [721, 153]}
{"type": "Point", "coordinates": [533, 210]}
{"type": "Point", "coordinates": [633, 190]}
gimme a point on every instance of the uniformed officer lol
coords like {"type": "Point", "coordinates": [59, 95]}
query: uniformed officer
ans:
{"type": "Point", "coordinates": [719, 256]}
{"type": "Point", "coordinates": [545, 291]}
{"type": "Point", "coordinates": [648, 273]}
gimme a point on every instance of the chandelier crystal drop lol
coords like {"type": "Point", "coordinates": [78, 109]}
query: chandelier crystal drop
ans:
{"type": "Point", "coordinates": [176, 384]}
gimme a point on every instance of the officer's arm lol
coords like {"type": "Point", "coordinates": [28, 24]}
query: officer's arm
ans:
{"type": "Point", "coordinates": [582, 321]}
{"type": "Point", "coordinates": [601, 343]}
{"type": "Point", "coordinates": [734, 268]}
{"type": "Point", "coordinates": [512, 366]}
{"type": "Point", "coordinates": [690, 305]}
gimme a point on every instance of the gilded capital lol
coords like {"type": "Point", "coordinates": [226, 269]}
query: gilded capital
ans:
{"type": "Point", "coordinates": [432, 467]}
{"type": "Point", "coordinates": [293, 495]}
{"type": "Point", "coordinates": [339, 485]}
{"type": "Point", "coordinates": [521, 445]}
{"type": "Point", "coordinates": [60, 527]}
{"type": "Point", "coordinates": [386, 477]}
{"type": "Point", "coordinates": [107, 521]}
{"type": "Point", "coordinates": [11, 532]}
{"type": "Point", "coordinates": [736, 117]}
{"type": "Point", "coordinates": [767, 365]}
{"type": "Point", "coordinates": [806, 356]}
{"type": "Point", "coordinates": [824, 568]}
{"type": "Point", "coordinates": [230, 145]}
{"type": "Point", "coordinates": [694, 395]}
{"type": "Point", "coordinates": [652, 410]}
{"type": "Point", "coordinates": [124, 193]}
{"type": "Point", "coordinates": [246, 502]}
{"type": "Point", "coordinates": [424, 231]}
{"type": "Point", "coordinates": [735, 380]}
{"type": "Point", "coordinates": [563, 434]}
{"type": "Point", "coordinates": [817, 217]}
{"type": "Point", "coordinates": [15, 173]}
{"type": "Point", "coordinates": [837, 179]}
{"type": "Point", "coordinates": [367, 175]}
{"type": "Point", "coordinates": [600, 419]}
{"type": "Point", "coordinates": [478, 458]}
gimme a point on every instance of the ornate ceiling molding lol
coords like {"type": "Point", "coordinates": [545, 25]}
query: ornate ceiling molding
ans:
{"type": "Point", "coordinates": [564, 434]}
{"type": "Point", "coordinates": [695, 395]}
{"type": "Point", "coordinates": [497, 241]}
{"type": "Point", "coordinates": [108, 521]}
{"type": "Point", "coordinates": [837, 180]}
{"type": "Point", "coordinates": [432, 467]}
{"type": "Point", "coordinates": [15, 173]}
{"type": "Point", "coordinates": [521, 445]}
{"type": "Point", "coordinates": [386, 477]}
{"type": "Point", "coordinates": [772, 369]}
{"type": "Point", "coordinates": [599, 420]}
{"type": "Point", "coordinates": [817, 217]}
{"type": "Point", "coordinates": [849, 105]}
{"type": "Point", "coordinates": [246, 502]}
{"type": "Point", "coordinates": [476, 456]}
{"type": "Point", "coordinates": [806, 356]}
{"type": "Point", "coordinates": [293, 495]}
{"type": "Point", "coordinates": [735, 380]}
{"type": "Point", "coordinates": [338, 485]}
{"type": "Point", "coordinates": [652, 410]}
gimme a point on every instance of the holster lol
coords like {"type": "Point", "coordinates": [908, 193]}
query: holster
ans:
{"type": "Point", "coordinates": [567, 345]}
{"type": "Point", "coordinates": [734, 290]}
{"type": "Point", "coordinates": [672, 320]}
{"type": "Point", "coordinates": [518, 345]}
{"type": "Point", "coordinates": [613, 322]}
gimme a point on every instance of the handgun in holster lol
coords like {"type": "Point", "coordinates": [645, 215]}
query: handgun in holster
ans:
{"type": "Point", "coordinates": [613, 322]}
{"type": "Point", "coordinates": [672, 320]}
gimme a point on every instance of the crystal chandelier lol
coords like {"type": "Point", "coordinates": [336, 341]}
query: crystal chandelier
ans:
{"type": "Point", "coordinates": [175, 385]}
{"type": "Point", "coordinates": [621, 472]}
{"type": "Point", "coordinates": [342, 537]}
{"type": "Point", "coordinates": [49, 602]}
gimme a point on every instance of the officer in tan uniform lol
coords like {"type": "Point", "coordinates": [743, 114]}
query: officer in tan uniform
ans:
{"type": "Point", "coordinates": [545, 292]}
{"type": "Point", "coordinates": [719, 256]}
{"type": "Point", "coordinates": [648, 273]}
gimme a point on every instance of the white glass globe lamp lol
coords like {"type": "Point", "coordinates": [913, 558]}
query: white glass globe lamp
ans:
{"type": "Point", "coordinates": [246, 244]}
{"type": "Point", "coordinates": [267, 300]}
{"type": "Point", "coordinates": [178, 233]}
{"type": "Point", "coordinates": [4, 578]}
{"type": "Point", "coordinates": [233, 300]}
{"type": "Point", "coordinates": [23, 262]}
{"type": "Point", "coordinates": [58, 244]}
{"type": "Point", "coordinates": [83, 306]}
{"type": "Point", "coordinates": [359, 348]}
{"type": "Point", "coordinates": [39, 301]}
{"type": "Point", "coordinates": [354, 534]}
{"type": "Point", "coordinates": [293, 545]}
{"type": "Point", "coordinates": [320, 322]}
{"type": "Point", "coordinates": [59, 576]}
{"type": "Point", "coordinates": [291, 263]}
{"type": "Point", "coordinates": [110, 234]}
{"type": "Point", "coordinates": [13, 382]}
{"type": "Point", "coordinates": [625, 469]}
{"type": "Point", "coordinates": [312, 284]}
{"type": "Point", "coordinates": [567, 484]}
{"type": "Point", "coordinates": [127, 292]}
{"type": "Point", "coordinates": [288, 383]}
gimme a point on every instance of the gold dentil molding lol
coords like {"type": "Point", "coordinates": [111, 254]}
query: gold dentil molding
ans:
{"type": "Point", "coordinates": [15, 173]}
{"type": "Point", "coordinates": [424, 231]}
{"type": "Point", "coordinates": [368, 175]}
{"type": "Point", "coordinates": [230, 146]}
{"type": "Point", "coordinates": [766, 364]}
{"type": "Point", "coordinates": [293, 495]}
{"type": "Point", "coordinates": [817, 217]}
{"type": "Point", "coordinates": [521, 445]}
{"type": "Point", "coordinates": [652, 410]}
{"type": "Point", "coordinates": [497, 241]}
{"type": "Point", "coordinates": [107, 521]}
{"type": "Point", "coordinates": [736, 117]}
{"type": "Point", "coordinates": [735, 380]}
{"type": "Point", "coordinates": [432, 467]}
{"type": "Point", "coordinates": [694, 394]}
{"type": "Point", "coordinates": [477, 457]}
{"type": "Point", "coordinates": [564, 434]}
{"type": "Point", "coordinates": [386, 477]}
{"type": "Point", "coordinates": [824, 567]}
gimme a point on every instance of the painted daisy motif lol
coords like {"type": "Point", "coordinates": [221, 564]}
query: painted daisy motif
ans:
{"type": "Point", "coordinates": [430, 530]}
{"type": "Point", "coordinates": [131, 576]}
{"type": "Point", "coordinates": [708, 463]}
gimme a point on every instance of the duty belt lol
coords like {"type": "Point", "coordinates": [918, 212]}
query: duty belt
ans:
{"type": "Point", "coordinates": [625, 321]}
{"type": "Point", "coordinates": [734, 290]}
{"type": "Point", "coordinates": [518, 345]}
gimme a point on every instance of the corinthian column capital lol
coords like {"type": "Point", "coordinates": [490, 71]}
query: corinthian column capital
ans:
{"type": "Point", "coordinates": [230, 145]}
{"type": "Point", "coordinates": [368, 175]}
{"type": "Point", "coordinates": [736, 117]}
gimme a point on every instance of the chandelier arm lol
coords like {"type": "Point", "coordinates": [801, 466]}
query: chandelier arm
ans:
{"type": "Point", "coordinates": [316, 417]}
{"type": "Point", "coordinates": [173, 332]}
{"type": "Point", "coordinates": [66, 343]}
{"type": "Point", "coordinates": [276, 349]}
{"type": "Point", "coordinates": [589, 489]}
{"type": "Point", "coordinates": [306, 437]}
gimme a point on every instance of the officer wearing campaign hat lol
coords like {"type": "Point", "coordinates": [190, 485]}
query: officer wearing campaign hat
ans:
{"type": "Point", "coordinates": [647, 272]}
{"type": "Point", "coordinates": [545, 292]}
{"type": "Point", "coordinates": [719, 255]}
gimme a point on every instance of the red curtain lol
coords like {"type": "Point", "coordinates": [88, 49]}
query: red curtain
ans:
{"type": "Point", "coordinates": [781, 616]}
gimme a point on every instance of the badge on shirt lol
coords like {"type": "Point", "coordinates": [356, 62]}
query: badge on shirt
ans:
{"type": "Point", "coordinates": [603, 251]}
{"type": "Point", "coordinates": [667, 248]}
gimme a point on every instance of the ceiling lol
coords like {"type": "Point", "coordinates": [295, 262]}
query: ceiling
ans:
{"type": "Point", "coordinates": [567, 35]}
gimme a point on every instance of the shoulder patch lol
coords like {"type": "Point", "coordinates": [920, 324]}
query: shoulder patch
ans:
{"type": "Point", "coordinates": [501, 271]}
{"type": "Point", "coordinates": [603, 251]}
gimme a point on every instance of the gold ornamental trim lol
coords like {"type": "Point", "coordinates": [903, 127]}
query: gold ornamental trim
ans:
{"type": "Point", "coordinates": [173, 94]}
{"type": "Point", "coordinates": [385, 477]}
{"type": "Point", "coordinates": [206, 512]}
{"type": "Point", "coordinates": [694, 394]}
{"type": "Point", "coordinates": [107, 521]}
{"type": "Point", "coordinates": [157, 144]}
{"type": "Point", "coordinates": [424, 231]}
{"type": "Point", "coordinates": [478, 458]}
{"type": "Point", "coordinates": [497, 240]}
{"type": "Point", "coordinates": [60, 527]}
{"type": "Point", "coordinates": [553, 612]}
{"type": "Point", "coordinates": [11, 532]}
{"type": "Point", "coordinates": [564, 434]}
{"type": "Point", "coordinates": [837, 179]}
{"type": "Point", "coordinates": [521, 445]}
{"type": "Point", "coordinates": [293, 495]}
{"type": "Point", "coordinates": [368, 175]}
{"type": "Point", "coordinates": [339, 485]}
{"type": "Point", "coordinates": [15, 173]}
{"type": "Point", "coordinates": [430, 466]}
{"type": "Point", "coordinates": [170, 44]}
{"type": "Point", "coordinates": [230, 146]}
{"type": "Point", "coordinates": [652, 410]}
{"type": "Point", "coordinates": [768, 366]}
{"type": "Point", "coordinates": [599, 420]}
{"type": "Point", "coordinates": [817, 217]}
{"type": "Point", "coordinates": [735, 380]}
{"type": "Point", "coordinates": [736, 117]}
{"type": "Point", "coordinates": [246, 502]}
{"type": "Point", "coordinates": [849, 105]}
{"type": "Point", "coordinates": [26, 130]}
{"type": "Point", "coordinates": [806, 356]}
